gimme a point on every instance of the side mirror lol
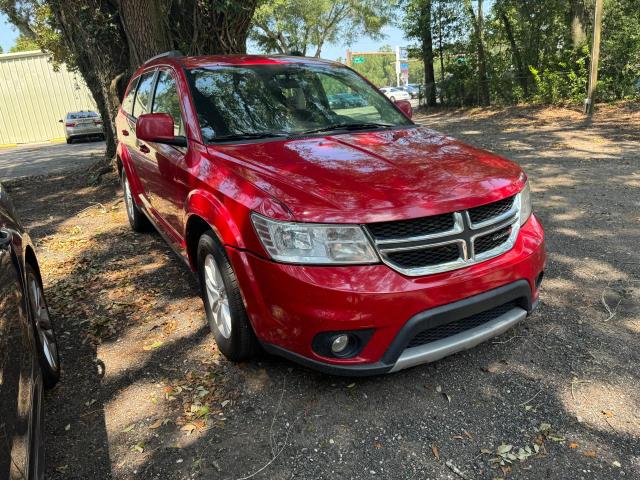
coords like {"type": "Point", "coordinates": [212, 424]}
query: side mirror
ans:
{"type": "Point", "coordinates": [405, 107]}
{"type": "Point", "coordinates": [158, 128]}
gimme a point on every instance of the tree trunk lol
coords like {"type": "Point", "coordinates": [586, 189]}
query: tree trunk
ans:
{"type": "Point", "coordinates": [147, 35]}
{"type": "Point", "coordinates": [523, 72]}
{"type": "Point", "coordinates": [483, 79]}
{"type": "Point", "coordinates": [427, 52]}
{"type": "Point", "coordinates": [578, 30]}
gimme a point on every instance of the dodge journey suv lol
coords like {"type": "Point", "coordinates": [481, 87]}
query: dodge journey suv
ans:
{"type": "Point", "coordinates": [344, 237]}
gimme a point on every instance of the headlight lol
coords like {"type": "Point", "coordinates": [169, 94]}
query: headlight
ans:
{"type": "Point", "coordinates": [314, 243]}
{"type": "Point", "coordinates": [525, 204]}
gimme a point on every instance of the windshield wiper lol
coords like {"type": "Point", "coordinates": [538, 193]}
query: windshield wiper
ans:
{"type": "Point", "coordinates": [249, 136]}
{"type": "Point", "coordinates": [347, 126]}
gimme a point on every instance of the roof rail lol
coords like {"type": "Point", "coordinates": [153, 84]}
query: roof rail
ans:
{"type": "Point", "coordinates": [171, 53]}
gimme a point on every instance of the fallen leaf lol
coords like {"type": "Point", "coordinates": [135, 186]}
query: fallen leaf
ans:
{"type": "Point", "coordinates": [153, 346]}
{"type": "Point", "coordinates": [436, 452]}
{"type": "Point", "coordinates": [573, 445]}
{"type": "Point", "coordinates": [377, 445]}
{"type": "Point", "coordinates": [156, 424]}
{"type": "Point", "coordinates": [351, 385]}
{"type": "Point", "coordinates": [139, 447]}
{"type": "Point", "coordinates": [616, 463]}
{"type": "Point", "coordinates": [457, 437]}
{"type": "Point", "coordinates": [504, 448]}
{"type": "Point", "coordinates": [439, 389]}
{"type": "Point", "coordinates": [67, 427]}
{"type": "Point", "coordinates": [189, 428]}
{"type": "Point", "coordinates": [607, 413]}
{"type": "Point", "coordinates": [129, 428]}
{"type": "Point", "coordinates": [589, 453]}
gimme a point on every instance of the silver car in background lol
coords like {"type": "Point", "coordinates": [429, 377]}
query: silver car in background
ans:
{"type": "Point", "coordinates": [395, 93]}
{"type": "Point", "coordinates": [84, 124]}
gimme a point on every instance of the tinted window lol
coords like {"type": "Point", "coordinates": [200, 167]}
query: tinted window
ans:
{"type": "Point", "coordinates": [284, 99]}
{"type": "Point", "coordinates": [166, 100]}
{"type": "Point", "coordinates": [77, 115]}
{"type": "Point", "coordinates": [127, 103]}
{"type": "Point", "coordinates": [143, 97]}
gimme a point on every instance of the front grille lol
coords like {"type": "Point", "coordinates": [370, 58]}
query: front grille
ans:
{"type": "Point", "coordinates": [491, 210]}
{"type": "Point", "coordinates": [445, 242]}
{"type": "Point", "coordinates": [491, 240]}
{"type": "Point", "coordinates": [459, 326]}
{"type": "Point", "coordinates": [411, 228]}
{"type": "Point", "coordinates": [426, 257]}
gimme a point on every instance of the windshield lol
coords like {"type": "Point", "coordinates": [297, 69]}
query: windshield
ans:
{"type": "Point", "coordinates": [266, 100]}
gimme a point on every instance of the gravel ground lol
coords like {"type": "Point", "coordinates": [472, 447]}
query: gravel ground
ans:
{"type": "Point", "coordinates": [145, 393]}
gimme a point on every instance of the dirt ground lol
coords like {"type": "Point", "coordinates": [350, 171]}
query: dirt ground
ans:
{"type": "Point", "coordinates": [145, 394]}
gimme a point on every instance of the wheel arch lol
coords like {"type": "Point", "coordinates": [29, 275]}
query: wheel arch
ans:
{"type": "Point", "coordinates": [206, 212]}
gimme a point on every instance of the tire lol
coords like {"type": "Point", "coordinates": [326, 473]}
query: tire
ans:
{"type": "Point", "coordinates": [45, 335]}
{"type": "Point", "coordinates": [138, 221]}
{"type": "Point", "coordinates": [393, 99]}
{"type": "Point", "coordinates": [223, 303]}
{"type": "Point", "coordinates": [69, 141]}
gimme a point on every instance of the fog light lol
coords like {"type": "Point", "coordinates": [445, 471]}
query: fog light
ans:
{"type": "Point", "coordinates": [340, 343]}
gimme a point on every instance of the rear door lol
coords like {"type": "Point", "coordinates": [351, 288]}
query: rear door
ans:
{"type": "Point", "coordinates": [17, 367]}
{"type": "Point", "coordinates": [138, 151]}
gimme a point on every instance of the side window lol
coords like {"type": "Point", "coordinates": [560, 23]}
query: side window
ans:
{"type": "Point", "coordinates": [167, 100]}
{"type": "Point", "coordinates": [143, 97]}
{"type": "Point", "coordinates": [127, 103]}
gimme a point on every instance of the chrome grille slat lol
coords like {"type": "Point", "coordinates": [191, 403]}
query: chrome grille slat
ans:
{"type": "Point", "coordinates": [416, 255]}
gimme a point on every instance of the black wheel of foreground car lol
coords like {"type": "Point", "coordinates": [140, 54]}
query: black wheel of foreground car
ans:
{"type": "Point", "coordinates": [393, 99]}
{"type": "Point", "coordinates": [69, 141]}
{"type": "Point", "coordinates": [223, 303]}
{"type": "Point", "coordinates": [138, 221]}
{"type": "Point", "coordinates": [44, 332]}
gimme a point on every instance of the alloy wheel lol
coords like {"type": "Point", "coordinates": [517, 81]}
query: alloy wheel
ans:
{"type": "Point", "coordinates": [217, 296]}
{"type": "Point", "coordinates": [44, 329]}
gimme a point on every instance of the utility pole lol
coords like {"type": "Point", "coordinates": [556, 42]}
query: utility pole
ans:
{"type": "Point", "coordinates": [595, 57]}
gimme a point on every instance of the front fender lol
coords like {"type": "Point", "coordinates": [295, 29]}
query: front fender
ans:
{"type": "Point", "coordinates": [208, 207]}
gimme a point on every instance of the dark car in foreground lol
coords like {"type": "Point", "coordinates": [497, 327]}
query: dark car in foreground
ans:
{"type": "Point", "coordinates": [351, 240]}
{"type": "Point", "coordinates": [28, 351]}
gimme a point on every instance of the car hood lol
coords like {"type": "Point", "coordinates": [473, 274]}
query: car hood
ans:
{"type": "Point", "coordinates": [374, 176]}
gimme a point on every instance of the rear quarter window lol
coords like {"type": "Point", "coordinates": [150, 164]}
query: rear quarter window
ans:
{"type": "Point", "coordinates": [127, 102]}
{"type": "Point", "coordinates": [142, 102]}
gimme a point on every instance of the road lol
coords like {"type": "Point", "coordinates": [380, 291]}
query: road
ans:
{"type": "Point", "coordinates": [43, 159]}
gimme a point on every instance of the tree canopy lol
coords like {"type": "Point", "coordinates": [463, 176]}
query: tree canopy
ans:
{"type": "Point", "coordinates": [285, 26]}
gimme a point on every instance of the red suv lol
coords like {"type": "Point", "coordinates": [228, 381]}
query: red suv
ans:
{"type": "Point", "coordinates": [340, 235]}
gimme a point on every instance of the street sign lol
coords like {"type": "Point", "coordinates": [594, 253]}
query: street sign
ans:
{"type": "Point", "coordinates": [358, 59]}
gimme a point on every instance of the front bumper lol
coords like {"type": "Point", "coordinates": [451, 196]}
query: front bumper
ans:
{"type": "Point", "coordinates": [290, 304]}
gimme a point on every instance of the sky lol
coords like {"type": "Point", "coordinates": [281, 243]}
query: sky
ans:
{"type": "Point", "coordinates": [8, 34]}
{"type": "Point", "coordinates": [393, 37]}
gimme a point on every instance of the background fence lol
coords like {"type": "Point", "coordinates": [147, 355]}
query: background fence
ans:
{"type": "Point", "coordinates": [33, 97]}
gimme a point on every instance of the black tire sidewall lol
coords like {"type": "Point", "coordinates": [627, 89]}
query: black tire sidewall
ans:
{"type": "Point", "coordinates": [241, 344]}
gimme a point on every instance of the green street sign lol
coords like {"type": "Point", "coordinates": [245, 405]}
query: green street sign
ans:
{"type": "Point", "coordinates": [358, 59]}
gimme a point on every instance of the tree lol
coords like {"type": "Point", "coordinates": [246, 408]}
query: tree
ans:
{"type": "Point", "coordinates": [418, 24]}
{"type": "Point", "coordinates": [24, 44]}
{"type": "Point", "coordinates": [478, 37]}
{"type": "Point", "coordinates": [105, 40]}
{"type": "Point", "coordinates": [286, 26]}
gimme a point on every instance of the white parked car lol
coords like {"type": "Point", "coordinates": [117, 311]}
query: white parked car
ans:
{"type": "Point", "coordinates": [395, 93]}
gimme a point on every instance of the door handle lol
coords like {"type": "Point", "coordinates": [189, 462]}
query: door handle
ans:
{"type": "Point", "coordinates": [144, 148]}
{"type": "Point", "coordinates": [125, 133]}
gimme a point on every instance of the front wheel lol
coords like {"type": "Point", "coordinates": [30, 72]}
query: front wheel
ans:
{"type": "Point", "coordinates": [46, 342]}
{"type": "Point", "coordinates": [223, 303]}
